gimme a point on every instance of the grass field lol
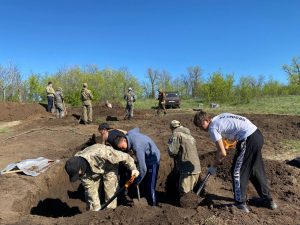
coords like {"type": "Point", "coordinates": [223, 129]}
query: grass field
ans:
{"type": "Point", "coordinates": [285, 105]}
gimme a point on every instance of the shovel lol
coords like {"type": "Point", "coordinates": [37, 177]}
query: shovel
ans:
{"type": "Point", "coordinates": [119, 191]}
{"type": "Point", "coordinates": [203, 183]}
{"type": "Point", "coordinates": [139, 201]}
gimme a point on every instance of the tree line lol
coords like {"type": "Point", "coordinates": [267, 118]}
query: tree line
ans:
{"type": "Point", "coordinates": [111, 84]}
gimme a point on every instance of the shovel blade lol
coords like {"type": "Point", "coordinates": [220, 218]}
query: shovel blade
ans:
{"type": "Point", "coordinates": [140, 202]}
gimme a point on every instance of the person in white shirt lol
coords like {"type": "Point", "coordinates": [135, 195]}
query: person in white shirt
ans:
{"type": "Point", "coordinates": [247, 163]}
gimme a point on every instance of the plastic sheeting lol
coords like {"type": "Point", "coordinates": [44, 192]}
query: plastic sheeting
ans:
{"type": "Point", "coordinates": [31, 167]}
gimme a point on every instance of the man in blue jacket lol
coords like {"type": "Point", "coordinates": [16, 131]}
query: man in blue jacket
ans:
{"type": "Point", "coordinates": [148, 158]}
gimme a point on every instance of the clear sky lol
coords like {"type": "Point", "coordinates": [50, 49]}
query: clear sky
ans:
{"type": "Point", "coordinates": [244, 37]}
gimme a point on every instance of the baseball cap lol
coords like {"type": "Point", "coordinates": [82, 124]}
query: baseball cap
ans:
{"type": "Point", "coordinates": [84, 84]}
{"type": "Point", "coordinates": [103, 126]}
{"type": "Point", "coordinates": [129, 89]}
{"type": "Point", "coordinates": [174, 124]}
{"type": "Point", "coordinates": [72, 167]}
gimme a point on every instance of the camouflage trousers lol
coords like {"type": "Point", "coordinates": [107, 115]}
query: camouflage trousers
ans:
{"type": "Point", "coordinates": [87, 112]}
{"type": "Point", "coordinates": [91, 187]}
{"type": "Point", "coordinates": [187, 182]}
{"type": "Point", "coordinates": [129, 111]}
{"type": "Point", "coordinates": [161, 106]}
{"type": "Point", "coordinates": [60, 110]}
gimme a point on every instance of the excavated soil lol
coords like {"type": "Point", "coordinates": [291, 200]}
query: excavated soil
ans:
{"type": "Point", "coordinates": [51, 199]}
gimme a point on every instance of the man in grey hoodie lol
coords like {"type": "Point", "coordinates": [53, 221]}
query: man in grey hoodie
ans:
{"type": "Point", "coordinates": [148, 158]}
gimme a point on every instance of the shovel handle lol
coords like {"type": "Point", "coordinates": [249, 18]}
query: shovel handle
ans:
{"type": "Point", "coordinates": [138, 192]}
{"type": "Point", "coordinates": [202, 184]}
{"type": "Point", "coordinates": [127, 184]}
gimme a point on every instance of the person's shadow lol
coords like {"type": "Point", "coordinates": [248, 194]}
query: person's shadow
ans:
{"type": "Point", "coordinates": [44, 105]}
{"type": "Point", "coordinates": [78, 194]}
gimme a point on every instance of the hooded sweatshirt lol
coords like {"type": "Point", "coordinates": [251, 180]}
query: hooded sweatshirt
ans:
{"type": "Point", "coordinates": [182, 146]}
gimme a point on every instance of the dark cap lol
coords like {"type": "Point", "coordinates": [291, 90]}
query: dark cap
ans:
{"type": "Point", "coordinates": [72, 167]}
{"type": "Point", "coordinates": [103, 126]}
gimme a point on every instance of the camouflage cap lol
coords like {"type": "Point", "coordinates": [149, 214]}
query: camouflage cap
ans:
{"type": "Point", "coordinates": [174, 124]}
{"type": "Point", "coordinates": [84, 84]}
{"type": "Point", "coordinates": [129, 89]}
{"type": "Point", "coordinates": [59, 89]}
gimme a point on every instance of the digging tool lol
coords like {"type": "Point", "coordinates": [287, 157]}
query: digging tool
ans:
{"type": "Point", "coordinates": [203, 183]}
{"type": "Point", "coordinates": [138, 192]}
{"type": "Point", "coordinates": [229, 144]}
{"type": "Point", "coordinates": [119, 191]}
{"type": "Point", "coordinates": [139, 201]}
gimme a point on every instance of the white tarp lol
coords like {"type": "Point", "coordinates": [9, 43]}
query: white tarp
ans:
{"type": "Point", "coordinates": [31, 167]}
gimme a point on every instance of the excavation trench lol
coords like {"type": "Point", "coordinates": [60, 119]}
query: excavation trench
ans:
{"type": "Point", "coordinates": [54, 195]}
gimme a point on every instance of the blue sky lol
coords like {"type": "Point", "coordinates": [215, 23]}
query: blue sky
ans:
{"type": "Point", "coordinates": [244, 37]}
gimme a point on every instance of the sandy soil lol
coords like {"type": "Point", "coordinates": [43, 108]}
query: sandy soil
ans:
{"type": "Point", "coordinates": [51, 199]}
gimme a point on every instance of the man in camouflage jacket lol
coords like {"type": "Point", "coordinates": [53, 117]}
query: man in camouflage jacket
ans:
{"type": "Point", "coordinates": [95, 163]}
{"type": "Point", "coordinates": [86, 98]}
{"type": "Point", "coordinates": [182, 147]}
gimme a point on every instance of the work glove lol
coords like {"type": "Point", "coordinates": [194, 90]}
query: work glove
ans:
{"type": "Point", "coordinates": [212, 170]}
{"type": "Point", "coordinates": [135, 173]}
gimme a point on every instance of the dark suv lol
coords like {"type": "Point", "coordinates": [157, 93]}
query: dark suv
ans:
{"type": "Point", "coordinates": [172, 99]}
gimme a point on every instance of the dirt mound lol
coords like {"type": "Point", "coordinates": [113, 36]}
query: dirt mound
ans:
{"type": "Point", "coordinates": [190, 200]}
{"type": "Point", "coordinates": [51, 199]}
{"type": "Point", "coordinates": [11, 111]}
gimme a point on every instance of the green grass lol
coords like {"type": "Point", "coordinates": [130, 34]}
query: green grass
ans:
{"type": "Point", "coordinates": [145, 103]}
{"type": "Point", "coordinates": [3, 130]}
{"type": "Point", "coordinates": [291, 145]}
{"type": "Point", "coordinates": [284, 105]}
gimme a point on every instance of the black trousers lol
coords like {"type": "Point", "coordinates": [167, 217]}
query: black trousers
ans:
{"type": "Point", "coordinates": [50, 103]}
{"type": "Point", "coordinates": [248, 165]}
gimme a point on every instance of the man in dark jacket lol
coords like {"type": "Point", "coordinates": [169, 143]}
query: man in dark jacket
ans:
{"type": "Point", "coordinates": [109, 134]}
{"type": "Point", "coordinates": [148, 158]}
{"type": "Point", "coordinates": [161, 101]}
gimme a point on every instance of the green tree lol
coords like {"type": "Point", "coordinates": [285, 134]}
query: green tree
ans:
{"type": "Point", "coordinates": [293, 71]}
{"type": "Point", "coordinates": [36, 90]}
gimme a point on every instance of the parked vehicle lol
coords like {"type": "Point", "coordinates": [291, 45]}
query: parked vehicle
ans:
{"type": "Point", "coordinates": [172, 99]}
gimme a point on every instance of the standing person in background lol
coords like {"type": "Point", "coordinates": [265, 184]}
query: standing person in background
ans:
{"type": "Point", "coordinates": [130, 98]}
{"type": "Point", "coordinates": [59, 103]}
{"type": "Point", "coordinates": [161, 102]}
{"type": "Point", "coordinates": [50, 96]}
{"type": "Point", "coordinates": [86, 98]}
{"type": "Point", "coordinates": [247, 163]}
{"type": "Point", "coordinates": [182, 147]}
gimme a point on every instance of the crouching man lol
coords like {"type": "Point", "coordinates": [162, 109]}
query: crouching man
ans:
{"type": "Point", "coordinates": [182, 147]}
{"type": "Point", "coordinates": [95, 163]}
